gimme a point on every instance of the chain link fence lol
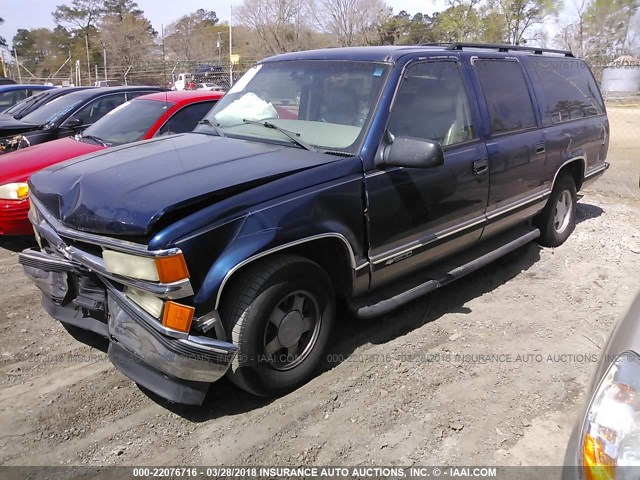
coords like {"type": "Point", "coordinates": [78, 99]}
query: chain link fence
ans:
{"type": "Point", "coordinates": [156, 73]}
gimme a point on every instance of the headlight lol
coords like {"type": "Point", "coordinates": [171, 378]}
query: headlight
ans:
{"type": "Point", "coordinates": [611, 433]}
{"type": "Point", "coordinates": [148, 302]}
{"type": "Point", "coordinates": [155, 269]}
{"type": "Point", "coordinates": [14, 191]}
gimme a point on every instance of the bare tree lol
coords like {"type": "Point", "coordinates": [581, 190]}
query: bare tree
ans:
{"type": "Point", "coordinates": [352, 22]}
{"type": "Point", "coordinates": [573, 35]}
{"type": "Point", "coordinates": [280, 25]}
{"type": "Point", "coordinates": [127, 39]}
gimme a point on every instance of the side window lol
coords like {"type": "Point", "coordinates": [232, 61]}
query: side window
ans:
{"type": "Point", "coordinates": [506, 93]}
{"type": "Point", "coordinates": [569, 90]}
{"type": "Point", "coordinates": [432, 103]}
{"type": "Point", "coordinates": [98, 108]}
{"type": "Point", "coordinates": [186, 119]}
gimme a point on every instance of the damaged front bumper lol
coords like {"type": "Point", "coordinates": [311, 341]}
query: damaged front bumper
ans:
{"type": "Point", "coordinates": [178, 369]}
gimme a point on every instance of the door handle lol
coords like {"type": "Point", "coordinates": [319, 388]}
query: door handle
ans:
{"type": "Point", "coordinates": [480, 166]}
{"type": "Point", "coordinates": [540, 148]}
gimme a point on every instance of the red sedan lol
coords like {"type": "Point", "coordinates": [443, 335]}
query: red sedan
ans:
{"type": "Point", "coordinates": [140, 119]}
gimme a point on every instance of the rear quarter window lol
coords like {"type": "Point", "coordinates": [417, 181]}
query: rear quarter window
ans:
{"type": "Point", "coordinates": [567, 90]}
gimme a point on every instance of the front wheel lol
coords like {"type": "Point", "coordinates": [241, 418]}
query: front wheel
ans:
{"type": "Point", "coordinates": [279, 312]}
{"type": "Point", "coordinates": [558, 218]}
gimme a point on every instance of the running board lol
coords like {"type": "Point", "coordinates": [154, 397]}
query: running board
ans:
{"type": "Point", "coordinates": [441, 274]}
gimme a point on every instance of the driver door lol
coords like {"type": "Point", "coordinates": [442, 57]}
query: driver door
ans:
{"type": "Point", "coordinates": [419, 215]}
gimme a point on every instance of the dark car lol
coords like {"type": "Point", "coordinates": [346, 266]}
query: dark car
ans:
{"type": "Point", "coordinates": [605, 443]}
{"type": "Point", "coordinates": [369, 175]}
{"type": "Point", "coordinates": [6, 81]}
{"type": "Point", "coordinates": [10, 94]}
{"type": "Point", "coordinates": [28, 105]}
{"type": "Point", "coordinates": [66, 116]}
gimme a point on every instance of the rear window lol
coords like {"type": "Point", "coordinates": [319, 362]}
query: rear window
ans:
{"type": "Point", "coordinates": [567, 89]}
{"type": "Point", "coordinates": [506, 93]}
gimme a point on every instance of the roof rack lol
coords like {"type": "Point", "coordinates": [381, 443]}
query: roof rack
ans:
{"type": "Point", "coordinates": [499, 47]}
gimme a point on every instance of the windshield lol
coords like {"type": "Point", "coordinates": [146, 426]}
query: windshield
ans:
{"type": "Point", "coordinates": [327, 104]}
{"type": "Point", "coordinates": [128, 122]}
{"type": "Point", "coordinates": [53, 110]}
{"type": "Point", "coordinates": [24, 104]}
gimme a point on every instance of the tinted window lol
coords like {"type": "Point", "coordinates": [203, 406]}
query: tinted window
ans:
{"type": "Point", "coordinates": [432, 104]}
{"type": "Point", "coordinates": [10, 98]}
{"type": "Point", "coordinates": [187, 118]}
{"type": "Point", "coordinates": [506, 94]}
{"type": "Point", "coordinates": [98, 108]}
{"type": "Point", "coordinates": [568, 90]}
{"type": "Point", "coordinates": [127, 123]}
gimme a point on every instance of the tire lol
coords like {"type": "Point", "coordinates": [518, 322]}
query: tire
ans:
{"type": "Point", "coordinates": [556, 226]}
{"type": "Point", "coordinates": [268, 306]}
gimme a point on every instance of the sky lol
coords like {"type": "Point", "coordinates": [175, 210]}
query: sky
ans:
{"type": "Point", "coordinates": [37, 13]}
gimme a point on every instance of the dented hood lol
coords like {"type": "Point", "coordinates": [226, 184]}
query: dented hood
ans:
{"type": "Point", "coordinates": [126, 190]}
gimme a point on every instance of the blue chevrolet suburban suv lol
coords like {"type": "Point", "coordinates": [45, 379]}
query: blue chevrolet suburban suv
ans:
{"type": "Point", "coordinates": [365, 175]}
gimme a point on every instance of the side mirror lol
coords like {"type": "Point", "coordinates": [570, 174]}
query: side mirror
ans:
{"type": "Point", "coordinates": [412, 152]}
{"type": "Point", "coordinates": [73, 123]}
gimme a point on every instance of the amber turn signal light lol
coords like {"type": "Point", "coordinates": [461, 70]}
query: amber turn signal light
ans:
{"type": "Point", "coordinates": [597, 464]}
{"type": "Point", "coordinates": [177, 316]}
{"type": "Point", "coordinates": [171, 269]}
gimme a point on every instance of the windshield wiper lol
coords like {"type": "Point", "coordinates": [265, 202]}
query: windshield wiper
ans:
{"type": "Point", "coordinates": [215, 126]}
{"type": "Point", "coordinates": [293, 136]}
{"type": "Point", "coordinates": [95, 139]}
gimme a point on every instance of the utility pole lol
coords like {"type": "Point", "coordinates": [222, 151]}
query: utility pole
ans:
{"type": "Point", "coordinates": [15, 54]}
{"type": "Point", "coordinates": [164, 68]}
{"type": "Point", "coordinates": [86, 40]}
{"type": "Point", "coordinates": [230, 45]}
{"type": "Point", "coordinates": [219, 57]}
{"type": "Point", "coordinates": [104, 57]}
{"type": "Point", "coordinates": [4, 68]}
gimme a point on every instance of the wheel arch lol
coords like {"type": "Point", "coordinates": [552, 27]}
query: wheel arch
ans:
{"type": "Point", "coordinates": [575, 167]}
{"type": "Point", "coordinates": [331, 251]}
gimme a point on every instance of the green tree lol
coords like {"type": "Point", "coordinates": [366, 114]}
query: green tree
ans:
{"type": "Point", "coordinates": [461, 22]}
{"type": "Point", "coordinates": [207, 17]}
{"type": "Point", "coordinates": [42, 51]}
{"type": "Point", "coordinates": [403, 29]}
{"type": "Point", "coordinates": [120, 8]}
{"type": "Point", "coordinates": [81, 14]}
{"type": "Point", "coordinates": [521, 16]}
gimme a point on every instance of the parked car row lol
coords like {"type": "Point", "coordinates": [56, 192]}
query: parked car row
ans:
{"type": "Point", "coordinates": [369, 176]}
{"type": "Point", "coordinates": [143, 117]}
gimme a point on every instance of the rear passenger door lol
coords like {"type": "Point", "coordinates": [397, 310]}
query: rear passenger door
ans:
{"type": "Point", "coordinates": [515, 142]}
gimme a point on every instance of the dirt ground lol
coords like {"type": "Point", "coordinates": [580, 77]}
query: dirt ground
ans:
{"type": "Point", "coordinates": [395, 390]}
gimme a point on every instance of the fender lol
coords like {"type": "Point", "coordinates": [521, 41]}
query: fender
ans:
{"type": "Point", "coordinates": [333, 212]}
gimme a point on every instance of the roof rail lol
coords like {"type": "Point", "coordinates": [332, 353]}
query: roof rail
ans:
{"type": "Point", "coordinates": [500, 48]}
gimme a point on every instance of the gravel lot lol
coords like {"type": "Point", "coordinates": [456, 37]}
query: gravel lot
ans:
{"type": "Point", "coordinates": [395, 390]}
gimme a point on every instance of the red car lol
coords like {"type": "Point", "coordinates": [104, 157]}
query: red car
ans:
{"type": "Point", "coordinates": [142, 118]}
